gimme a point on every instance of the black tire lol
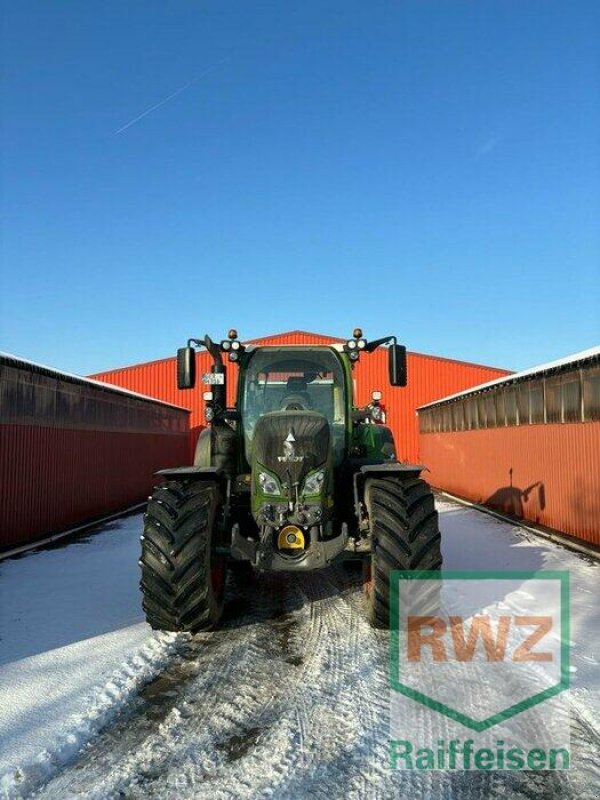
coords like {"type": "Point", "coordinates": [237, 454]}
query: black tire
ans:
{"type": "Point", "coordinates": [406, 536]}
{"type": "Point", "coordinates": [182, 582]}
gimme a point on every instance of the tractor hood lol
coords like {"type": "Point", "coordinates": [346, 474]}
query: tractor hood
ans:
{"type": "Point", "coordinates": [291, 443]}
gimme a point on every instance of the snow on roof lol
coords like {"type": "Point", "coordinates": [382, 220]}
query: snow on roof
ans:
{"type": "Point", "coordinates": [18, 361]}
{"type": "Point", "coordinates": [551, 366]}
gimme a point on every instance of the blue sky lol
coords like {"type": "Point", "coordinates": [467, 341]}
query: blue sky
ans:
{"type": "Point", "coordinates": [427, 168]}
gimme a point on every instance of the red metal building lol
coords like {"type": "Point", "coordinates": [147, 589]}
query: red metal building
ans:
{"type": "Point", "coordinates": [429, 377]}
{"type": "Point", "coordinates": [72, 450]}
{"type": "Point", "coordinates": [527, 445]}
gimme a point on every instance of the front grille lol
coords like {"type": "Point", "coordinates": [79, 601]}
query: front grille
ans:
{"type": "Point", "coordinates": [291, 443]}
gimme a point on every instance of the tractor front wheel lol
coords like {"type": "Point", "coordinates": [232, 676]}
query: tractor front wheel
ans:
{"type": "Point", "coordinates": [405, 534]}
{"type": "Point", "coordinates": [183, 582]}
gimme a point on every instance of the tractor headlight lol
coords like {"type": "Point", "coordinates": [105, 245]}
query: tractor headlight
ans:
{"type": "Point", "coordinates": [351, 344]}
{"type": "Point", "coordinates": [268, 483]}
{"type": "Point", "coordinates": [377, 413]}
{"type": "Point", "coordinates": [225, 344]}
{"type": "Point", "coordinates": [235, 345]}
{"type": "Point", "coordinates": [361, 344]}
{"type": "Point", "coordinates": [314, 482]}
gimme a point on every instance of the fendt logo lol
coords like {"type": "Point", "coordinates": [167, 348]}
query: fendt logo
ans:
{"type": "Point", "coordinates": [289, 451]}
{"type": "Point", "coordinates": [480, 649]}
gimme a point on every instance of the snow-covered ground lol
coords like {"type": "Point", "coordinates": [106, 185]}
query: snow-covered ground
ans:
{"type": "Point", "coordinates": [289, 699]}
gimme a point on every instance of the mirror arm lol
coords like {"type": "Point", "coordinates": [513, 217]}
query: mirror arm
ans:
{"type": "Point", "coordinates": [212, 348]}
{"type": "Point", "coordinates": [371, 346]}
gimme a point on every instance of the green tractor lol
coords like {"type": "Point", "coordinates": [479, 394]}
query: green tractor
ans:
{"type": "Point", "coordinates": [294, 478]}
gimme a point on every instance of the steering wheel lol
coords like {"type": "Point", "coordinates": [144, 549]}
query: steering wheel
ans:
{"type": "Point", "coordinates": [299, 401]}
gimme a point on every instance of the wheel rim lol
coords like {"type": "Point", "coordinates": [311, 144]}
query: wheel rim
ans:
{"type": "Point", "coordinates": [217, 577]}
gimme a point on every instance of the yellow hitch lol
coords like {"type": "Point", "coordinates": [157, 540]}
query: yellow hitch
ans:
{"type": "Point", "coordinates": [290, 538]}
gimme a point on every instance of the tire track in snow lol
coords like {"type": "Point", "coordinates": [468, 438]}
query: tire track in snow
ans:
{"type": "Point", "coordinates": [214, 711]}
{"type": "Point", "coordinates": [291, 699]}
{"type": "Point", "coordinates": [280, 746]}
{"type": "Point", "coordinates": [105, 704]}
{"type": "Point", "coordinates": [326, 681]}
{"type": "Point", "coordinates": [351, 757]}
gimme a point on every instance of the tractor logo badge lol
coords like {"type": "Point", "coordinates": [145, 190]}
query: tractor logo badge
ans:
{"type": "Point", "coordinates": [289, 452]}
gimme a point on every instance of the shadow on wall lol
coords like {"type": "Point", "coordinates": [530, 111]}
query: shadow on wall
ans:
{"type": "Point", "coordinates": [510, 499]}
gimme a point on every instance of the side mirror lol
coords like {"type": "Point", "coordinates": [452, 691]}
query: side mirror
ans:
{"type": "Point", "coordinates": [186, 368]}
{"type": "Point", "coordinates": [397, 364]}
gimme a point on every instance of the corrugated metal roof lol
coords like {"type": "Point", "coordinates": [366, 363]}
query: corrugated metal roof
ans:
{"type": "Point", "coordinates": [297, 337]}
{"type": "Point", "coordinates": [17, 361]}
{"type": "Point", "coordinates": [581, 357]}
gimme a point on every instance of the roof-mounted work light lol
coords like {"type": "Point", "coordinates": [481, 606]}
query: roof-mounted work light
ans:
{"type": "Point", "coordinates": [358, 342]}
{"type": "Point", "coordinates": [232, 346]}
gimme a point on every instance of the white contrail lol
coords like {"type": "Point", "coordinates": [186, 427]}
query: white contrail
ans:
{"type": "Point", "coordinates": [166, 99]}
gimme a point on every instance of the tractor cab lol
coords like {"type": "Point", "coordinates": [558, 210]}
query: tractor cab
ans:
{"type": "Point", "coordinates": [300, 379]}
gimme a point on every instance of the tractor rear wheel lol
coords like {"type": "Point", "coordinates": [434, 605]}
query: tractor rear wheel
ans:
{"type": "Point", "coordinates": [182, 582]}
{"type": "Point", "coordinates": [406, 536]}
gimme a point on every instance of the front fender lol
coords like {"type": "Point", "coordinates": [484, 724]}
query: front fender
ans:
{"type": "Point", "coordinates": [196, 473]}
{"type": "Point", "coordinates": [392, 469]}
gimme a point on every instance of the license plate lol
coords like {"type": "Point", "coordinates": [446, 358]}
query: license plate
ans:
{"type": "Point", "coordinates": [213, 378]}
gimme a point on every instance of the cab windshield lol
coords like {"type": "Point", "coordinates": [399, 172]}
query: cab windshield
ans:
{"type": "Point", "coordinates": [309, 379]}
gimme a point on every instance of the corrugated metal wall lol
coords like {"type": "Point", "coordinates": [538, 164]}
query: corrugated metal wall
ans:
{"type": "Point", "coordinates": [71, 451]}
{"type": "Point", "coordinates": [429, 378]}
{"type": "Point", "coordinates": [549, 474]}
